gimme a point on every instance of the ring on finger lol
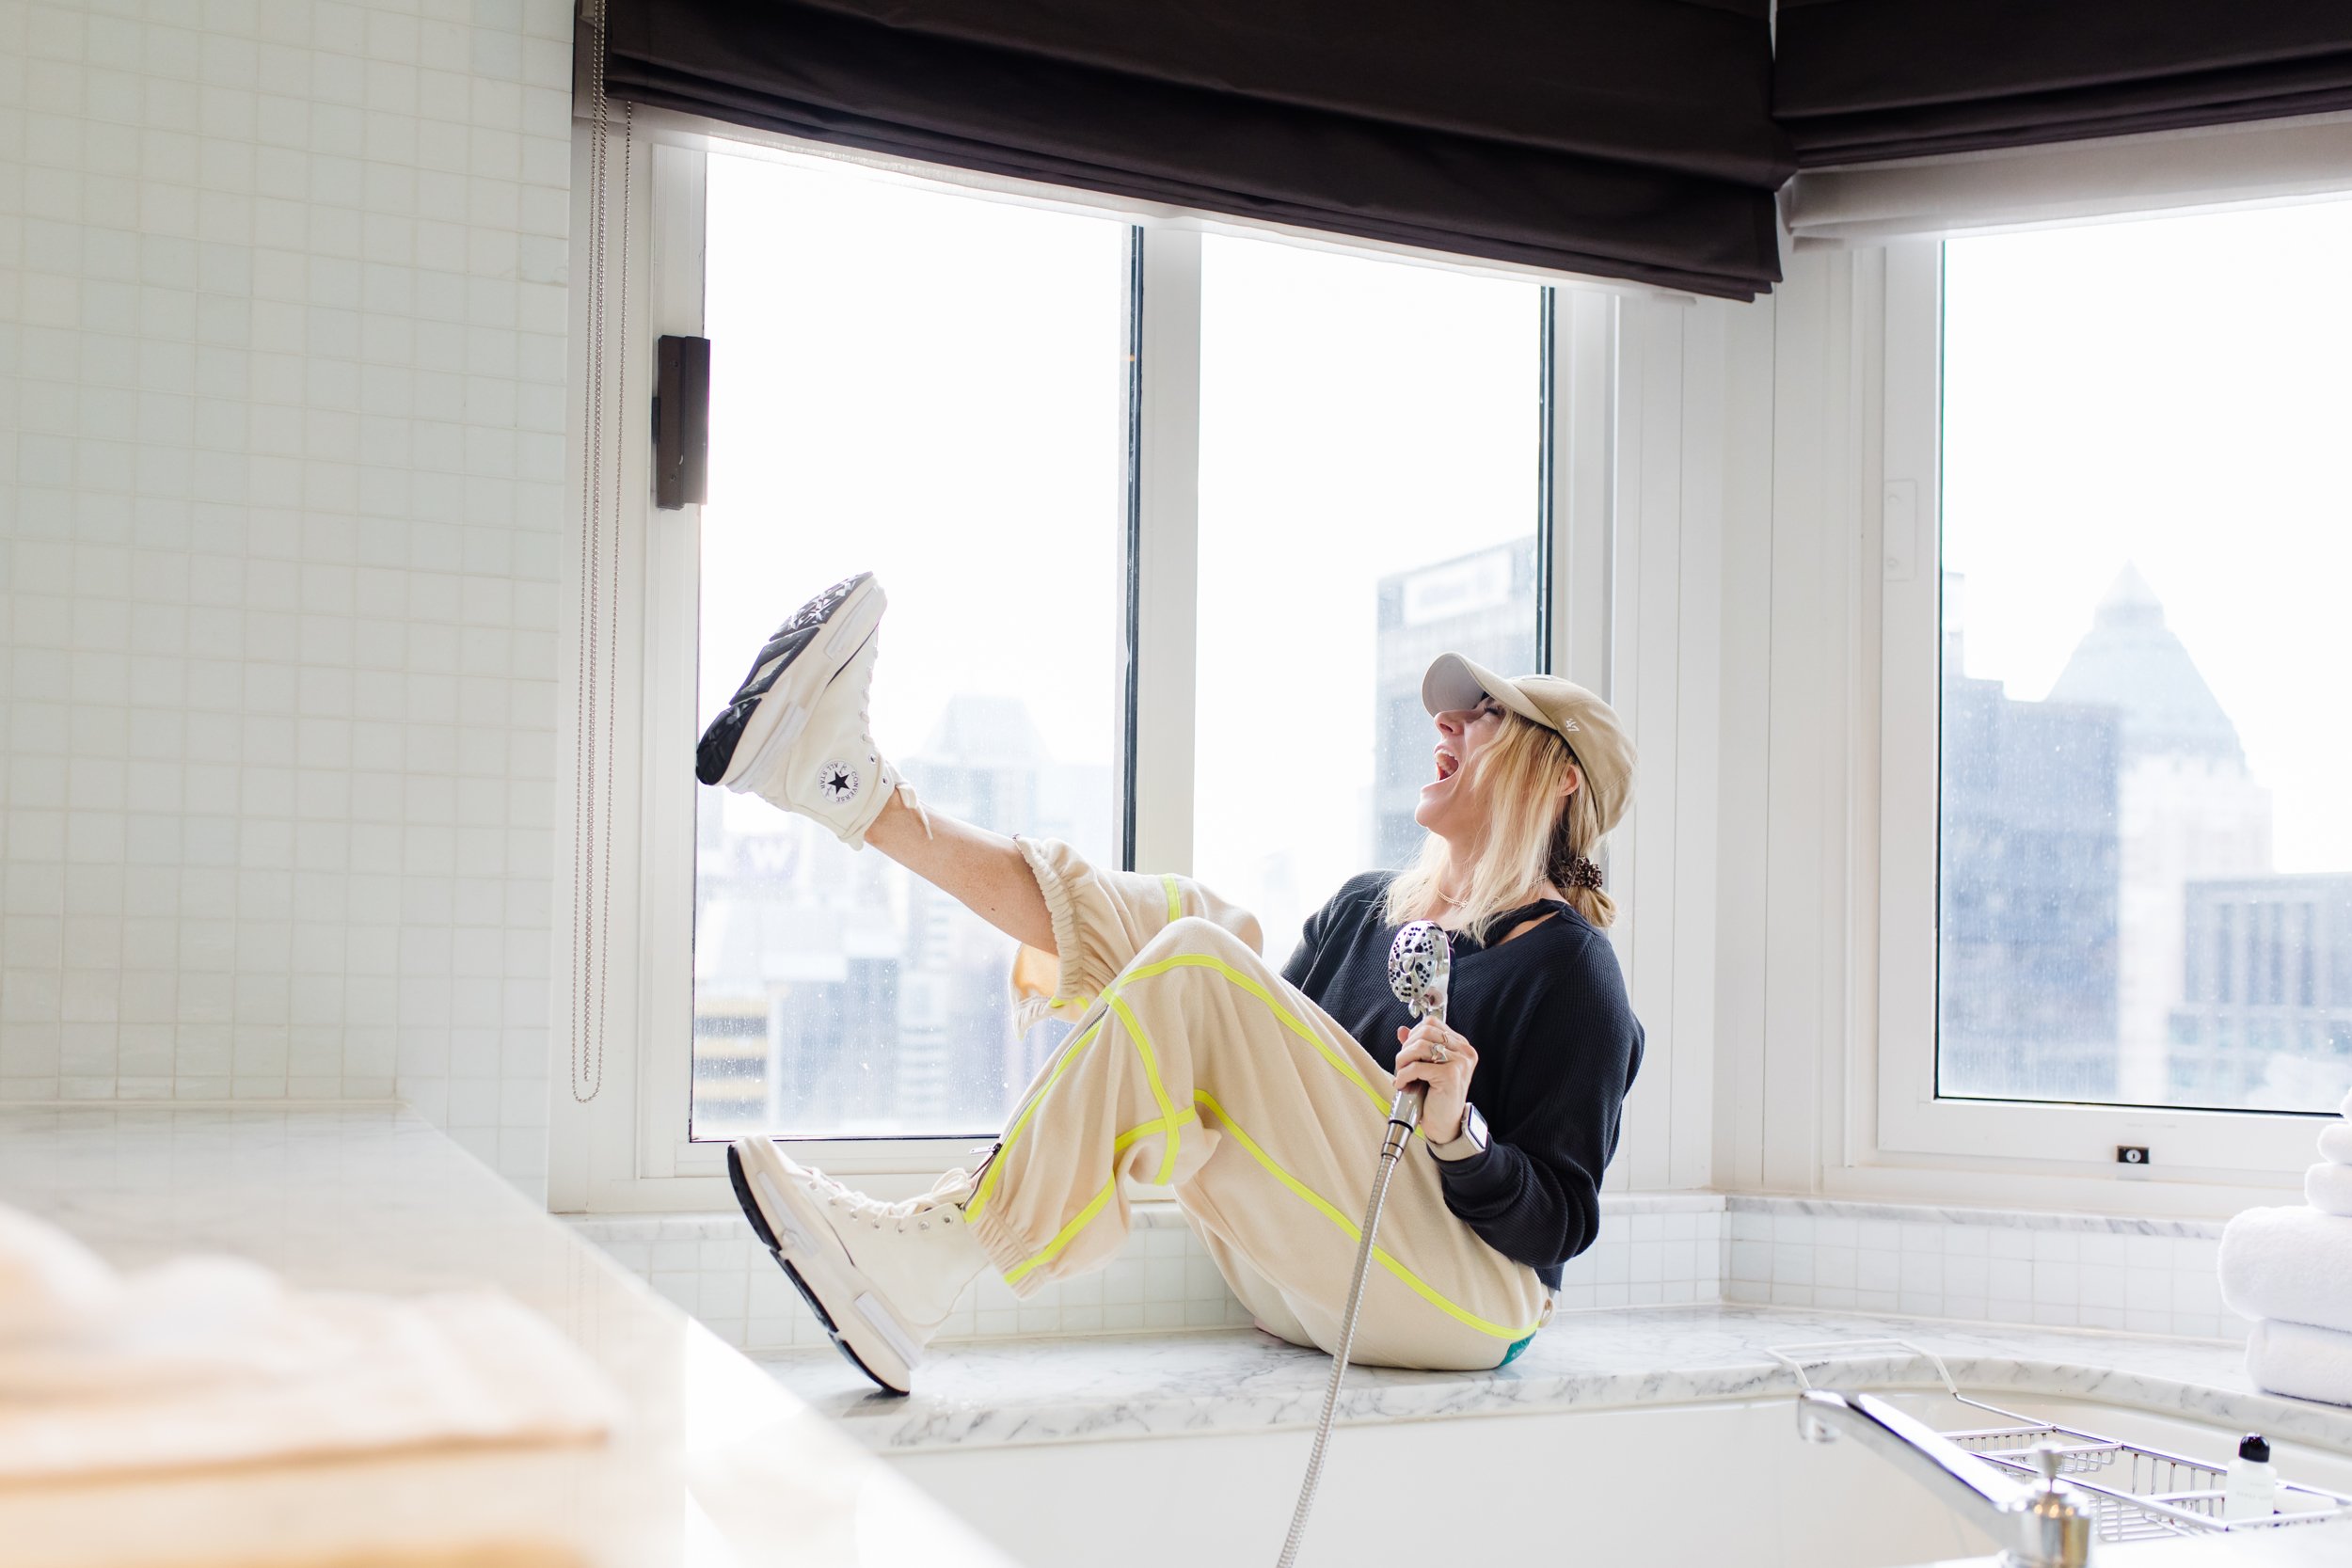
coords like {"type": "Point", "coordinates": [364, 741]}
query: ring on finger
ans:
{"type": "Point", "coordinates": [1440, 1054]}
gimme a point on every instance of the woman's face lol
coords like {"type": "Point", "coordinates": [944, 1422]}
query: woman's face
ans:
{"type": "Point", "coordinates": [1449, 806]}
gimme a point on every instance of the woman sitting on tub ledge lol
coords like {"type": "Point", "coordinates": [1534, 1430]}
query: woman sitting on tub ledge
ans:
{"type": "Point", "coordinates": [1260, 1096]}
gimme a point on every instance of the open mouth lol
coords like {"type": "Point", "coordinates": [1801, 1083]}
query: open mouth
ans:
{"type": "Point", "coordinates": [1448, 765]}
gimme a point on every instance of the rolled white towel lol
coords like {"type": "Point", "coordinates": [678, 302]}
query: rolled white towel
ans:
{"type": "Point", "coordinates": [2290, 1264]}
{"type": "Point", "coordinates": [2335, 1142]}
{"type": "Point", "coordinates": [2300, 1361]}
{"type": "Point", "coordinates": [2328, 1189]}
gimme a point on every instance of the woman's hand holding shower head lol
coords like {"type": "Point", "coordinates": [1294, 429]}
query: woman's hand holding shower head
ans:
{"type": "Point", "coordinates": [1420, 969]}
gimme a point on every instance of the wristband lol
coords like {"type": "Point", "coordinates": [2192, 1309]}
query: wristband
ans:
{"type": "Point", "coordinates": [1469, 1143]}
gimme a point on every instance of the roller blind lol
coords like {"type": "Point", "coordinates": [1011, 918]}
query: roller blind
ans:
{"type": "Point", "coordinates": [1860, 81]}
{"type": "Point", "coordinates": [1617, 138]}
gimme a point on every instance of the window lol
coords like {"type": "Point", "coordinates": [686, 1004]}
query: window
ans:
{"type": "Point", "coordinates": [1077, 440]}
{"type": "Point", "coordinates": [1392, 412]}
{"type": "Point", "coordinates": [937, 384]}
{"type": "Point", "coordinates": [2143, 542]}
{"type": "Point", "coordinates": [930, 387]}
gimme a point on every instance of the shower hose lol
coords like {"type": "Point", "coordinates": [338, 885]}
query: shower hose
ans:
{"type": "Point", "coordinates": [1403, 1115]}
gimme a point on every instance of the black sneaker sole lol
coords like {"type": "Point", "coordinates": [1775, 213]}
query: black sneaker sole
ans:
{"type": "Point", "coordinates": [715, 751]}
{"type": "Point", "coordinates": [750, 1206]}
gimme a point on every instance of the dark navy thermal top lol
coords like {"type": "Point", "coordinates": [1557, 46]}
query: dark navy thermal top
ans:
{"type": "Point", "coordinates": [1558, 1046]}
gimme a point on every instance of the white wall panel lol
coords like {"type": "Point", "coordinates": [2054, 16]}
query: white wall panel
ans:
{"type": "Point", "coordinates": [1746, 732]}
{"type": "Point", "coordinates": [1661, 658]}
{"type": "Point", "coordinates": [1695, 781]}
{"type": "Point", "coordinates": [282, 312]}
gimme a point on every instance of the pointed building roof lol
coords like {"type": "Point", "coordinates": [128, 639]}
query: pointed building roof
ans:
{"type": "Point", "coordinates": [2132, 661]}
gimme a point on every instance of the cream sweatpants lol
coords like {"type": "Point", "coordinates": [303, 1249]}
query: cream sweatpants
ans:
{"type": "Point", "coordinates": [1194, 1064]}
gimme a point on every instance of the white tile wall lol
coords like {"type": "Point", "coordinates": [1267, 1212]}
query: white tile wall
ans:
{"type": "Point", "coordinates": [709, 1265]}
{"type": "Point", "coordinates": [2055, 1270]}
{"type": "Point", "coordinates": [282, 317]}
{"type": "Point", "coordinates": [1162, 1280]}
{"type": "Point", "coordinates": [2068, 1271]}
{"type": "Point", "coordinates": [1649, 1258]}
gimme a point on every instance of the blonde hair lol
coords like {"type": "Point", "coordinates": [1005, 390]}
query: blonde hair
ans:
{"type": "Point", "coordinates": [1529, 840]}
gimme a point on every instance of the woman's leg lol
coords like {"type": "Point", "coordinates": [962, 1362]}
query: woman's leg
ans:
{"type": "Point", "coordinates": [1198, 1067]}
{"type": "Point", "coordinates": [797, 735]}
{"type": "Point", "coordinates": [884, 1277]}
{"type": "Point", "coordinates": [984, 870]}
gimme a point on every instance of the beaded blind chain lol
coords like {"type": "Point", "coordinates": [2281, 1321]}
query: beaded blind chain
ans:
{"type": "Point", "coordinates": [600, 587]}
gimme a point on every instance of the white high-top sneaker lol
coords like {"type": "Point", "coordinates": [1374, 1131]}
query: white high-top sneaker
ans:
{"type": "Point", "coordinates": [796, 734]}
{"type": "Point", "coordinates": [880, 1277]}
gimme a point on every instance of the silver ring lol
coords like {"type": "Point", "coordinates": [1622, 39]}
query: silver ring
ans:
{"type": "Point", "coordinates": [1440, 1054]}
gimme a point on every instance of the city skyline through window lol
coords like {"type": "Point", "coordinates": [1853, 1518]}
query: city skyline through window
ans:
{"type": "Point", "coordinates": [2146, 885]}
{"type": "Point", "coordinates": [1369, 459]}
{"type": "Point", "coordinates": [959, 431]}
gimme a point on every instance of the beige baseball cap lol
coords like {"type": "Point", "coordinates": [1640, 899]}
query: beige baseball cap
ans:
{"type": "Point", "coordinates": [1590, 727]}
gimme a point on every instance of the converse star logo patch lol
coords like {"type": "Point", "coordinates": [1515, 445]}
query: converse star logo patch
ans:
{"type": "Point", "coordinates": [838, 782]}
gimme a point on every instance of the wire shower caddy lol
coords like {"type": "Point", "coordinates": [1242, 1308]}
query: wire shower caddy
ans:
{"type": "Point", "coordinates": [2136, 1492]}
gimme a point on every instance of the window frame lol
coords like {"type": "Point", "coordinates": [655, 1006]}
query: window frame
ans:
{"type": "Point", "coordinates": [627, 1149]}
{"type": "Point", "coordinates": [1913, 1121]}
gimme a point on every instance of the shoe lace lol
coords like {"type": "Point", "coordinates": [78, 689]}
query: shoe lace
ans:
{"type": "Point", "coordinates": [905, 790]}
{"type": "Point", "coordinates": [906, 793]}
{"type": "Point", "coordinates": [943, 1203]}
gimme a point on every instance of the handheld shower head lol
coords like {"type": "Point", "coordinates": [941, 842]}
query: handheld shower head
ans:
{"type": "Point", "coordinates": [1420, 972]}
{"type": "Point", "coordinates": [1420, 965]}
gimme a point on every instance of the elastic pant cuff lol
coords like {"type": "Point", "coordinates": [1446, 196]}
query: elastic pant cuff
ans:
{"type": "Point", "coordinates": [1070, 986]}
{"type": "Point", "coordinates": [1008, 1249]}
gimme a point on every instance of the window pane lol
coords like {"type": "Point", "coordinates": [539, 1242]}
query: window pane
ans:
{"type": "Point", "coordinates": [1369, 440]}
{"type": "Point", "coordinates": [2147, 861]}
{"type": "Point", "coordinates": [931, 387]}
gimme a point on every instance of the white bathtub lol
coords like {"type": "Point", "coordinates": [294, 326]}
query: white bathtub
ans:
{"type": "Point", "coordinates": [1720, 1482]}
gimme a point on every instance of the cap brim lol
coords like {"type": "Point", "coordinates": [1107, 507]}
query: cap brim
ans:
{"type": "Point", "coordinates": [1453, 682]}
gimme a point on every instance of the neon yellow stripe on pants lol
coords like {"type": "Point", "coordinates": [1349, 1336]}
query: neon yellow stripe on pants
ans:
{"type": "Point", "coordinates": [1322, 1206]}
{"type": "Point", "coordinates": [996, 1165]}
{"type": "Point", "coordinates": [1288, 1020]}
{"type": "Point", "coordinates": [1169, 1116]}
{"type": "Point", "coordinates": [1094, 1205]}
{"type": "Point", "coordinates": [1183, 960]}
{"type": "Point", "coordinates": [1175, 899]}
{"type": "Point", "coordinates": [1159, 1092]}
{"type": "Point", "coordinates": [1314, 1199]}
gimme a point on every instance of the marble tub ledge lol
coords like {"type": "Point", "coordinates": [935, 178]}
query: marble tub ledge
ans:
{"type": "Point", "coordinates": [1014, 1392]}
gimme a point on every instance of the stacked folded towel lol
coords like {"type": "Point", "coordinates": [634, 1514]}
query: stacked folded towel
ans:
{"type": "Point", "coordinates": [213, 1361]}
{"type": "Point", "coordinates": [2291, 1271]}
{"type": "Point", "coordinates": [2328, 1185]}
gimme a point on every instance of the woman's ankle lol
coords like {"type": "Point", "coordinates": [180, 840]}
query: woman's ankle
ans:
{"type": "Point", "coordinates": [898, 827]}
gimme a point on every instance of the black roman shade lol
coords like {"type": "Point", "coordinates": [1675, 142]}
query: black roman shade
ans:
{"type": "Point", "coordinates": [1623, 139]}
{"type": "Point", "coordinates": [1860, 81]}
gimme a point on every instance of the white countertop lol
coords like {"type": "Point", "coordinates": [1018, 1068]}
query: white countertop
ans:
{"type": "Point", "coordinates": [717, 1464]}
{"type": "Point", "coordinates": [1241, 1380]}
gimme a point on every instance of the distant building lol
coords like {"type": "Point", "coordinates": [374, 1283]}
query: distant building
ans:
{"type": "Point", "coordinates": [796, 979]}
{"type": "Point", "coordinates": [834, 993]}
{"type": "Point", "coordinates": [2187, 809]}
{"type": "Point", "coordinates": [1481, 604]}
{"type": "Point", "coordinates": [986, 763]}
{"type": "Point", "coordinates": [2027, 939]}
{"type": "Point", "coordinates": [2266, 1015]}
